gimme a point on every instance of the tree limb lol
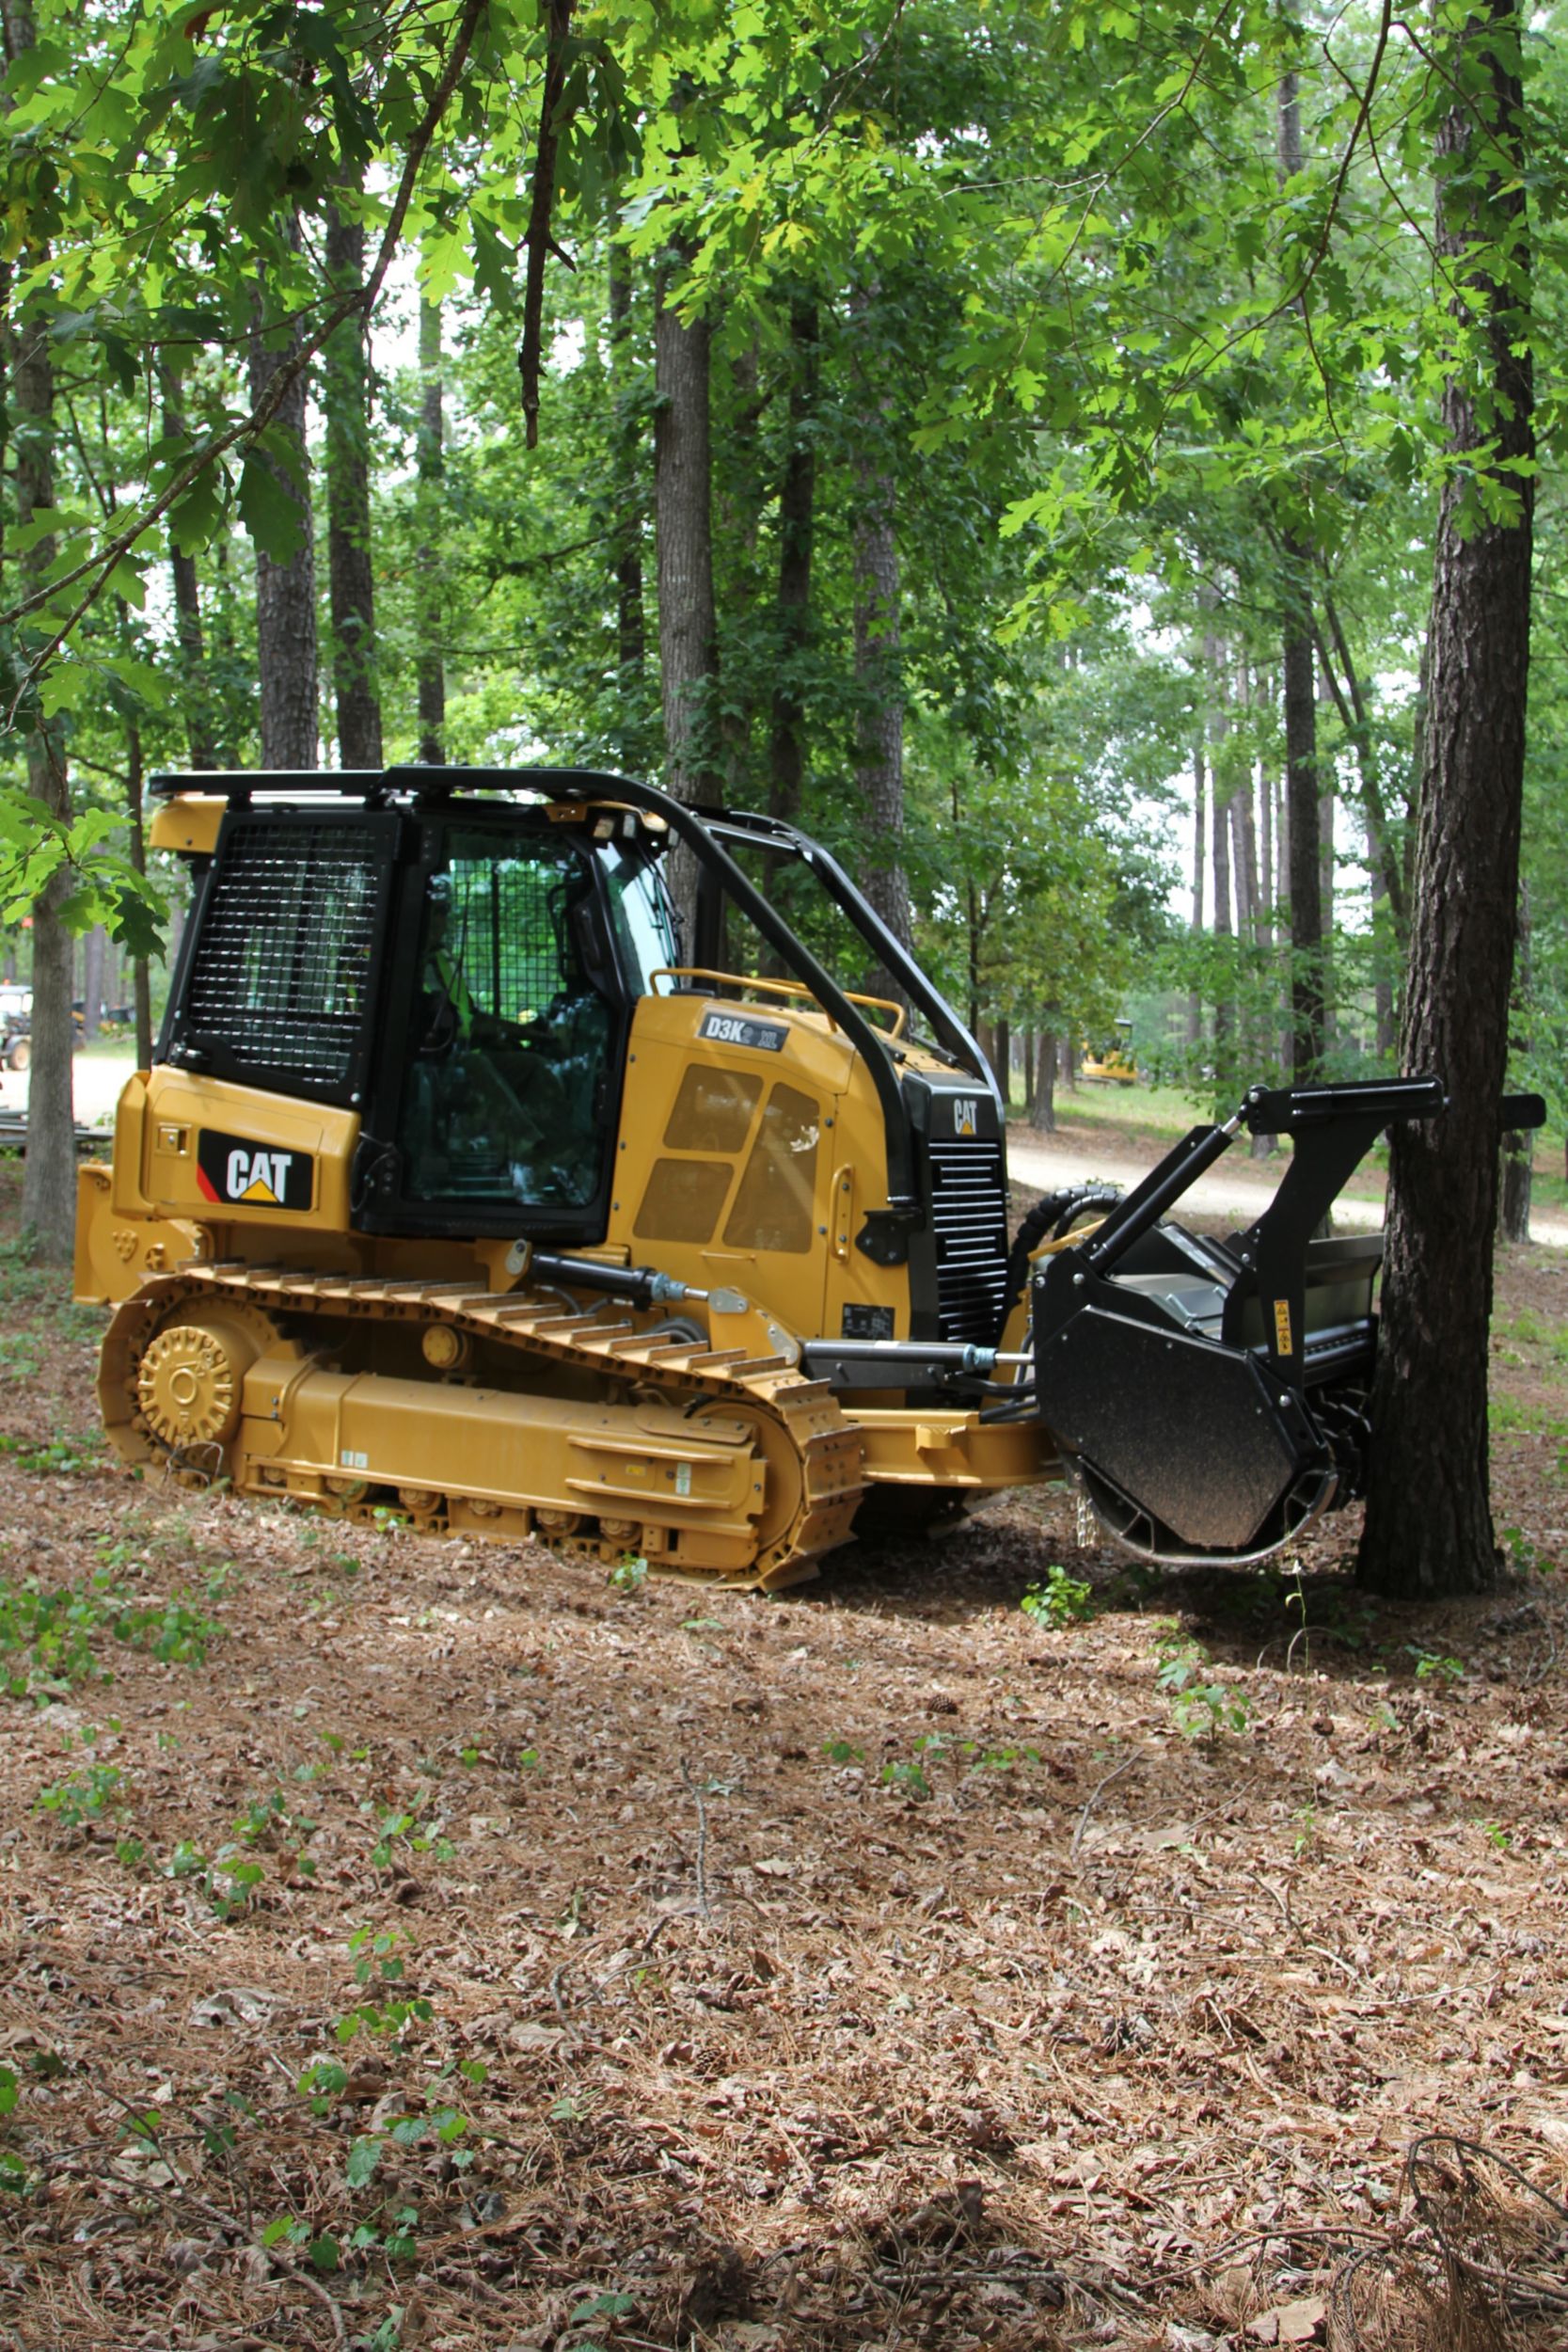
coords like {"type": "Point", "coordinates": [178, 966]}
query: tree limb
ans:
{"type": "Point", "coordinates": [537, 235]}
{"type": "Point", "coordinates": [248, 428]}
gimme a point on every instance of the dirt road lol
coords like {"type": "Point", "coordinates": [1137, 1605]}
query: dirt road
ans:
{"type": "Point", "coordinates": [1238, 1187]}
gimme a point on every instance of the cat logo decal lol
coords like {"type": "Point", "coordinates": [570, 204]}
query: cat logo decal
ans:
{"type": "Point", "coordinates": [231, 1168]}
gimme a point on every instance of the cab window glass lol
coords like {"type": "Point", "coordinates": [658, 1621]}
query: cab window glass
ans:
{"type": "Point", "coordinates": [505, 1098]}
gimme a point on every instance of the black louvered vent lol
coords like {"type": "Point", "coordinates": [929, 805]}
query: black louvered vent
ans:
{"type": "Point", "coordinates": [969, 1218]}
{"type": "Point", "coordinates": [277, 989]}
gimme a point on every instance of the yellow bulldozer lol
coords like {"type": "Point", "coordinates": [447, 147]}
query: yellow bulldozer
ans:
{"type": "Point", "coordinates": [461, 1189]}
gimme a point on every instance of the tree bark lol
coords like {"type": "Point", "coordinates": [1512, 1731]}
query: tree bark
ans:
{"type": "Point", "coordinates": [1429, 1519]}
{"type": "Point", "coordinates": [682, 475]}
{"type": "Point", "coordinates": [630, 632]}
{"type": "Point", "coordinates": [688, 624]}
{"type": "Point", "coordinates": [286, 592]}
{"type": "Point", "coordinates": [879, 727]}
{"type": "Point", "coordinates": [1194, 1002]}
{"type": "Point", "coordinates": [141, 979]}
{"type": "Point", "coordinates": [1304, 882]}
{"type": "Point", "coordinates": [786, 742]}
{"type": "Point", "coordinates": [195, 691]}
{"type": "Point", "coordinates": [352, 590]}
{"type": "Point", "coordinates": [48, 1171]}
{"type": "Point", "coordinates": [430, 465]}
{"type": "Point", "coordinates": [1042, 1109]}
{"type": "Point", "coordinates": [1219, 728]}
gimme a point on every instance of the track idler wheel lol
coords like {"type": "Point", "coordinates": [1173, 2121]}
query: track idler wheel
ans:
{"type": "Point", "coordinates": [183, 1390]}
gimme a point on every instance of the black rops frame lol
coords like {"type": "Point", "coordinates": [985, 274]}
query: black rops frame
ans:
{"type": "Point", "coordinates": [432, 785]}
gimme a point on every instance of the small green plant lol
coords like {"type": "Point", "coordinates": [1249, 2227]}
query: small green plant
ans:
{"type": "Point", "coordinates": [52, 1457]}
{"type": "Point", "coordinates": [84, 1796]}
{"type": "Point", "coordinates": [398, 1828]}
{"type": "Point", "coordinates": [1431, 1667]}
{"type": "Point", "coordinates": [385, 2336]}
{"type": "Point", "coordinates": [843, 1751]}
{"type": "Point", "coordinates": [378, 1969]}
{"type": "Point", "coordinates": [1203, 1706]}
{"type": "Point", "coordinates": [909, 1778]}
{"type": "Point", "coordinates": [1496, 1835]}
{"type": "Point", "coordinates": [228, 1881]}
{"type": "Point", "coordinates": [46, 1639]}
{"type": "Point", "coordinates": [631, 1573]}
{"type": "Point", "coordinates": [1062, 1599]}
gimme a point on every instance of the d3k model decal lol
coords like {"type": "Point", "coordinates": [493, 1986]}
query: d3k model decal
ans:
{"type": "Point", "coordinates": [253, 1175]}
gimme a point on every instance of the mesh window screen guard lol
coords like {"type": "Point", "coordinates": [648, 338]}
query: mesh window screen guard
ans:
{"type": "Point", "coordinates": [506, 929]}
{"type": "Point", "coordinates": [284, 958]}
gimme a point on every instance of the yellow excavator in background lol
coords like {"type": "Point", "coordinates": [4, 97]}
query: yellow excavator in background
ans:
{"type": "Point", "coordinates": [458, 1188]}
{"type": "Point", "coordinates": [1112, 1061]}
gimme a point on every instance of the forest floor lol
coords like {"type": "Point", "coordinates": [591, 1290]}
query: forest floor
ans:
{"type": "Point", "coordinates": [414, 1944]}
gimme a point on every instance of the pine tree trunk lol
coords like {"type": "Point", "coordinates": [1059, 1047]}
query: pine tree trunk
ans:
{"type": "Point", "coordinates": [880, 694]}
{"type": "Point", "coordinates": [430, 668]}
{"type": "Point", "coordinates": [879, 660]}
{"type": "Point", "coordinates": [48, 1171]}
{"type": "Point", "coordinates": [688, 624]}
{"type": "Point", "coordinates": [786, 744]}
{"type": "Point", "coordinates": [346, 394]}
{"type": "Point", "coordinates": [630, 631]}
{"type": "Point", "coordinates": [1304, 879]}
{"type": "Point", "coordinates": [683, 469]}
{"type": "Point", "coordinates": [1194, 1002]}
{"type": "Point", "coordinates": [1429, 1519]}
{"type": "Point", "coordinates": [1042, 1107]}
{"type": "Point", "coordinates": [195, 691]}
{"type": "Point", "coordinates": [286, 592]}
{"type": "Point", "coordinates": [141, 979]}
{"type": "Point", "coordinates": [1219, 728]}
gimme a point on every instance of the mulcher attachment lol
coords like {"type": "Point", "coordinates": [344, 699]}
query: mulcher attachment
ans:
{"type": "Point", "coordinates": [1210, 1396]}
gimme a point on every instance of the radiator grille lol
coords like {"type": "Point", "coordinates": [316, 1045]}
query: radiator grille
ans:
{"type": "Point", "coordinates": [970, 1221]}
{"type": "Point", "coordinates": [279, 984]}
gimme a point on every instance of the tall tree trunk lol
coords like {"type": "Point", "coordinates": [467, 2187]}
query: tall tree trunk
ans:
{"type": "Point", "coordinates": [49, 1175]}
{"type": "Point", "coordinates": [286, 592]}
{"type": "Point", "coordinates": [1429, 1518]}
{"type": "Point", "coordinates": [141, 978]}
{"type": "Point", "coordinates": [630, 632]}
{"type": "Point", "coordinates": [1042, 1107]}
{"type": "Point", "coordinates": [196, 697]}
{"type": "Point", "coordinates": [1302, 877]}
{"type": "Point", "coordinates": [683, 470]}
{"type": "Point", "coordinates": [1194, 1002]}
{"type": "Point", "coordinates": [1303, 881]}
{"type": "Point", "coordinates": [430, 667]}
{"type": "Point", "coordinates": [878, 675]}
{"type": "Point", "coordinates": [786, 742]}
{"type": "Point", "coordinates": [1219, 729]}
{"type": "Point", "coordinates": [880, 727]}
{"type": "Point", "coordinates": [688, 625]}
{"type": "Point", "coordinates": [346, 391]}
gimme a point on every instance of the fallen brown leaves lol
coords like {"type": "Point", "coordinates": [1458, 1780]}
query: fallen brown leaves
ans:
{"type": "Point", "coordinates": [929, 2052]}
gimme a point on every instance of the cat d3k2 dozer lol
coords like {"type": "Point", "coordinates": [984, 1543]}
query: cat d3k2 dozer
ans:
{"type": "Point", "coordinates": [458, 1190]}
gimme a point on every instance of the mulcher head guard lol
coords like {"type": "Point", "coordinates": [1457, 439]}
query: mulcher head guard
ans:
{"type": "Point", "coordinates": [1210, 1397]}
